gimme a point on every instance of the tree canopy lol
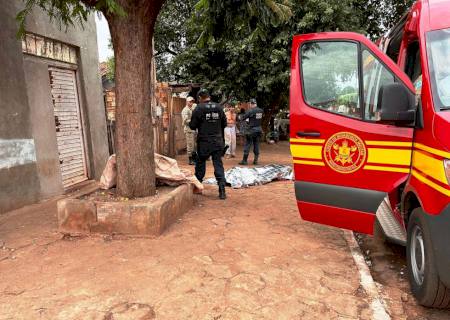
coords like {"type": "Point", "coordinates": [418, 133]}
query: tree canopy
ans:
{"type": "Point", "coordinates": [171, 34]}
{"type": "Point", "coordinates": [69, 12]}
{"type": "Point", "coordinates": [241, 49]}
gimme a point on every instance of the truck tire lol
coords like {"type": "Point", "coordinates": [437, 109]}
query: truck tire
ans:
{"type": "Point", "coordinates": [426, 286]}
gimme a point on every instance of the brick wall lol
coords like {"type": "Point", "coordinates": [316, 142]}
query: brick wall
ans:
{"type": "Point", "coordinates": [110, 100]}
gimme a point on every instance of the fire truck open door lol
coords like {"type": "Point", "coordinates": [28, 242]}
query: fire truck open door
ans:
{"type": "Point", "coordinates": [346, 161]}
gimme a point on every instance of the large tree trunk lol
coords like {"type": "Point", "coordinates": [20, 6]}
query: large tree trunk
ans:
{"type": "Point", "coordinates": [132, 40]}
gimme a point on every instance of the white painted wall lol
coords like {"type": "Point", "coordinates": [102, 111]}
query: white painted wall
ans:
{"type": "Point", "coordinates": [16, 152]}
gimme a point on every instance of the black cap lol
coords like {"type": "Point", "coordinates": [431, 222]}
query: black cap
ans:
{"type": "Point", "coordinates": [253, 101]}
{"type": "Point", "coordinates": [203, 93]}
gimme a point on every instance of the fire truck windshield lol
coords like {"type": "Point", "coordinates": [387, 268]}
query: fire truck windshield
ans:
{"type": "Point", "coordinates": [438, 46]}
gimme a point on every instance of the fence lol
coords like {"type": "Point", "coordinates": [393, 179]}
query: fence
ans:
{"type": "Point", "coordinates": [158, 136]}
{"type": "Point", "coordinates": [168, 133]}
{"type": "Point", "coordinates": [111, 131]}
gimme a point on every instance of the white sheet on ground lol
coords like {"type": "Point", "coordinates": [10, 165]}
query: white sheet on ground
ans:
{"type": "Point", "coordinates": [240, 177]}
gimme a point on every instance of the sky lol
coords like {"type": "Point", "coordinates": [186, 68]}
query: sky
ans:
{"type": "Point", "coordinates": [103, 38]}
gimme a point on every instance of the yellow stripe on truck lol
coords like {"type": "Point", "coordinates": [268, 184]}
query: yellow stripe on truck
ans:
{"type": "Point", "coordinates": [430, 166]}
{"type": "Point", "coordinates": [304, 140]}
{"type": "Point", "coordinates": [383, 159]}
{"type": "Point", "coordinates": [430, 183]}
{"type": "Point", "coordinates": [306, 152]}
{"type": "Point", "coordinates": [310, 163]}
{"type": "Point", "coordinates": [432, 150]}
{"type": "Point", "coordinates": [389, 143]}
{"type": "Point", "coordinates": [389, 156]}
{"type": "Point", "coordinates": [389, 169]}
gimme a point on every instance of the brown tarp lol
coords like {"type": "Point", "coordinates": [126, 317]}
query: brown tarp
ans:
{"type": "Point", "coordinates": [166, 170]}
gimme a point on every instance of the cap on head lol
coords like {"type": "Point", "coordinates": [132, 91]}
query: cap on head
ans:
{"type": "Point", "coordinates": [253, 101]}
{"type": "Point", "coordinates": [189, 99]}
{"type": "Point", "coordinates": [203, 93]}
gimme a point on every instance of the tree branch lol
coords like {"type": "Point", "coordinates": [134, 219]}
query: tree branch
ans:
{"type": "Point", "coordinates": [166, 50]}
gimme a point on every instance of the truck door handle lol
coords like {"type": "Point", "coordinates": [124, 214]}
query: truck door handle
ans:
{"type": "Point", "coordinates": [308, 134]}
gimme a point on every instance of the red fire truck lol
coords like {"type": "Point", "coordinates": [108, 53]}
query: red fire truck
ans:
{"type": "Point", "coordinates": [370, 138]}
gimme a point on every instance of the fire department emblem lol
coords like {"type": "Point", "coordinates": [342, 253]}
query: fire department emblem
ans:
{"type": "Point", "coordinates": [345, 152]}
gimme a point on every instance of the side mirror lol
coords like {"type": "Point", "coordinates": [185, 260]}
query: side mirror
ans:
{"type": "Point", "coordinates": [396, 104]}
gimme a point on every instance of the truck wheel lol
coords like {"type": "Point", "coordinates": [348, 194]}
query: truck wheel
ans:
{"type": "Point", "coordinates": [422, 273]}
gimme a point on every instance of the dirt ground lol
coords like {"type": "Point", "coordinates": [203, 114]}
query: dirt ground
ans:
{"type": "Point", "coordinates": [388, 267]}
{"type": "Point", "coordinates": [249, 257]}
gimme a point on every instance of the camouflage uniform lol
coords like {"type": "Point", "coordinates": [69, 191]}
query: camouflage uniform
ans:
{"type": "Point", "coordinates": [191, 135]}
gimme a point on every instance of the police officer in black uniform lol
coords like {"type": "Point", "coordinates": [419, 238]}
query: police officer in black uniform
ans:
{"type": "Point", "coordinates": [209, 119]}
{"type": "Point", "coordinates": [254, 131]}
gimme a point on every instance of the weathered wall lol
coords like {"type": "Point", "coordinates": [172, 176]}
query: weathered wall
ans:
{"type": "Point", "coordinates": [19, 183]}
{"type": "Point", "coordinates": [43, 126]}
{"type": "Point", "coordinates": [27, 128]}
{"type": "Point", "coordinates": [90, 83]}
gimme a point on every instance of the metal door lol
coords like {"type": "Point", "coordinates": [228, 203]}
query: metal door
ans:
{"type": "Point", "coordinates": [69, 133]}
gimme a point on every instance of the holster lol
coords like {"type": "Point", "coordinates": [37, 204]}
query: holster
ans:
{"type": "Point", "coordinates": [225, 150]}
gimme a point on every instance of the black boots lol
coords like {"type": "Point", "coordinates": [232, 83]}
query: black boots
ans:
{"type": "Point", "coordinates": [222, 194]}
{"type": "Point", "coordinates": [191, 161]}
{"type": "Point", "coordinates": [244, 160]}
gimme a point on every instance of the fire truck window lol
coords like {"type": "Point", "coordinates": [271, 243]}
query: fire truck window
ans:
{"type": "Point", "coordinates": [438, 46]}
{"type": "Point", "coordinates": [395, 40]}
{"type": "Point", "coordinates": [412, 67]}
{"type": "Point", "coordinates": [375, 75]}
{"type": "Point", "coordinates": [330, 77]}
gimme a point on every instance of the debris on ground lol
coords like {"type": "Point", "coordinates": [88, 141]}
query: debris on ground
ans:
{"type": "Point", "coordinates": [240, 177]}
{"type": "Point", "coordinates": [405, 297]}
{"type": "Point", "coordinates": [111, 195]}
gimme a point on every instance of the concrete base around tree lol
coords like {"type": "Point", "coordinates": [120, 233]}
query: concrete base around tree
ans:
{"type": "Point", "coordinates": [134, 217]}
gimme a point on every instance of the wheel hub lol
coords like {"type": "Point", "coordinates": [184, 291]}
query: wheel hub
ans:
{"type": "Point", "coordinates": [417, 253]}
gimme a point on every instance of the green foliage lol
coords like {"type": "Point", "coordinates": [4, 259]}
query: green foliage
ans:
{"type": "Point", "coordinates": [349, 98]}
{"type": "Point", "coordinates": [250, 55]}
{"type": "Point", "coordinates": [378, 16]}
{"type": "Point", "coordinates": [243, 19]}
{"type": "Point", "coordinates": [111, 68]}
{"type": "Point", "coordinates": [329, 69]}
{"type": "Point", "coordinates": [241, 49]}
{"type": "Point", "coordinates": [171, 33]}
{"type": "Point", "coordinates": [68, 12]}
{"type": "Point", "coordinates": [172, 29]}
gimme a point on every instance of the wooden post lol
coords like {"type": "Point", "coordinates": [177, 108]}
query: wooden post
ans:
{"type": "Point", "coordinates": [155, 118]}
{"type": "Point", "coordinates": [161, 134]}
{"type": "Point", "coordinates": [171, 129]}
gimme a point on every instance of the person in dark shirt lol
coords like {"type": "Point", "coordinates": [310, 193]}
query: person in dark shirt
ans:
{"type": "Point", "coordinates": [254, 131]}
{"type": "Point", "coordinates": [209, 119]}
{"type": "Point", "coordinates": [242, 126]}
